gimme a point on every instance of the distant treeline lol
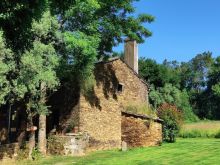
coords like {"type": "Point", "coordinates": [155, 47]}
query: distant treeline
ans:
{"type": "Point", "coordinates": [193, 86]}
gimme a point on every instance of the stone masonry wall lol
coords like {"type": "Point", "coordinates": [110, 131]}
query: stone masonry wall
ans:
{"type": "Point", "coordinates": [8, 151]}
{"type": "Point", "coordinates": [134, 89]}
{"type": "Point", "coordinates": [102, 125]}
{"type": "Point", "coordinates": [141, 133]}
{"type": "Point", "coordinates": [100, 109]}
{"type": "Point", "coordinates": [70, 144]}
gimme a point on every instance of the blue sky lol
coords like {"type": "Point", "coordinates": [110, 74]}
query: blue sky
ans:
{"type": "Point", "coordinates": [182, 29]}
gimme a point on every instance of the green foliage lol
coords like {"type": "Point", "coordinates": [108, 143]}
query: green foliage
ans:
{"type": "Point", "coordinates": [82, 50]}
{"type": "Point", "coordinates": [37, 69]}
{"type": "Point", "coordinates": [46, 29]}
{"type": "Point", "coordinates": [195, 85]}
{"type": "Point", "coordinates": [23, 154]}
{"type": "Point", "coordinates": [110, 20]}
{"type": "Point", "coordinates": [194, 75]}
{"type": "Point", "coordinates": [36, 154]}
{"type": "Point", "coordinates": [37, 73]}
{"type": "Point", "coordinates": [195, 72]}
{"type": "Point", "coordinates": [214, 80]}
{"type": "Point", "coordinates": [91, 29]}
{"type": "Point", "coordinates": [40, 62]}
{"type": "Point", "coordinates": [118, 21]}
{"type": "Point", "coordinates": [7, 66]}
{"type": "Point", "coordinates": [172, 121]}
{"type": "Point", "coordinates": [207, 101]}
{"type": "Point", "coordinates": [172, 95]}
{"type": "Point", "coordinates": [159, 74]}
{"type": "Point", "coordinates": [16, 20]}
{"type": "Point", "coordinates": [216, 89]}
{"type": "Point", "coordinates": [217, 135]}
{"type": "Point", "coordinates": [81, 41]}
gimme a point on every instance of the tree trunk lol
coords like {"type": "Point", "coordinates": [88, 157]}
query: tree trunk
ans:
{"type": "Point", "coordinates": [42, 142]}
{"type": "Point", "coordinates": [31, 137]}
{"type": "Point", "coordinates": [9, 123]}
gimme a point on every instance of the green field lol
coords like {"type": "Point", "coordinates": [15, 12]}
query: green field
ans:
{"type": "Point", "coordinates": [204, 129]}
{"type": "Point", "coordinates": [183, 152]}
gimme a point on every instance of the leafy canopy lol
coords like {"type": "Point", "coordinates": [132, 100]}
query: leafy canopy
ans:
{"type": "Point", "coordinates": [6, 67]}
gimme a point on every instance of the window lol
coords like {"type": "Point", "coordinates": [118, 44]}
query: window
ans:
{"type": "Point", "coordinates": [120, 88]}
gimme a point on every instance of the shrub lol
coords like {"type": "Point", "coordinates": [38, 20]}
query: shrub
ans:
{"type": "Point", "coordinates": [217, 135]}
{"type": "Point", "coordinates": [173, 120]}
{"type": "Point", "coordinates": [36, 154]}
{"type": "Point", "coordinates": [22, 153]}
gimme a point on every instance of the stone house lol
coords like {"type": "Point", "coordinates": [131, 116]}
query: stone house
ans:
{"type": "Point", "coordinates": [102, 112]}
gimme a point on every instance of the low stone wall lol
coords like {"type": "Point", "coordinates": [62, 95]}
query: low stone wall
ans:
{"type": "Point", "coordinates": [141, 133]}
{"type": "Point", "coordinates": [95, 145]}
{"type": "Point", "coordinates": [70, 144]}
{"type": "Point", "coordinates": [8, 150]}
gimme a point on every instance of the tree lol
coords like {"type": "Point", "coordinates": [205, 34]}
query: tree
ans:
{"type": "Point", "coordinates": [118, 21]}
{"type": "Point", "coordinates": [158, 74]}
{"type": "Point", "coordinates": [194, 76]}
{"type": "Point", "coordinates": [16, 20]}
{"type": "Point", "coordinates": [209, 104]}
{"type": "Point", "coordinates": [82, 56]}
{"type": "Point", "coordinates": [149, 70]}
{"type": "Point", "coordinates": [213, 76]}
{"type": "Point", "coordinates": [111, 20]}
{"type": "Point", "coordinates": [31, 38]}
{"type": "Point", "coordinates": [8, 89]}
{"type": "Point", "coordinates": [172, 95]}
{"type": "Point", "coordinates": [46, 36]}
{"type": "Point", "coordinates": [37, 74]}
{"type": "Point", "coordinates": [6, 67]}
{"type": "Point", "coordinates": [196, 71]}
{"type": "Point", "coordinates": [101, 22]}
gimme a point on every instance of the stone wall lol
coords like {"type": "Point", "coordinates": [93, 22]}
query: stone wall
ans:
{"type": "Point", "coordinates": [137, 132]}
{"type": "Point", "coordinates": [102, 125]}
{"type": "Point", "coordinates": [8, 150]}
{"type": "Point", "coordinates": [69, 144]}
{"type": "Point", "coordinates": [100, 109]}
{"type": "Point", "coordinates": [134, 89]}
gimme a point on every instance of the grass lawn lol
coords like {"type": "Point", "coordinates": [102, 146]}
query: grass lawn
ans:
{"type": "Point", "coordinates": [183, 152]}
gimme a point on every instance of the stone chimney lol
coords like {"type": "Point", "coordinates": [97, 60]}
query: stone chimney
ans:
{"type": "Point", "coordinates": [131, 54]}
